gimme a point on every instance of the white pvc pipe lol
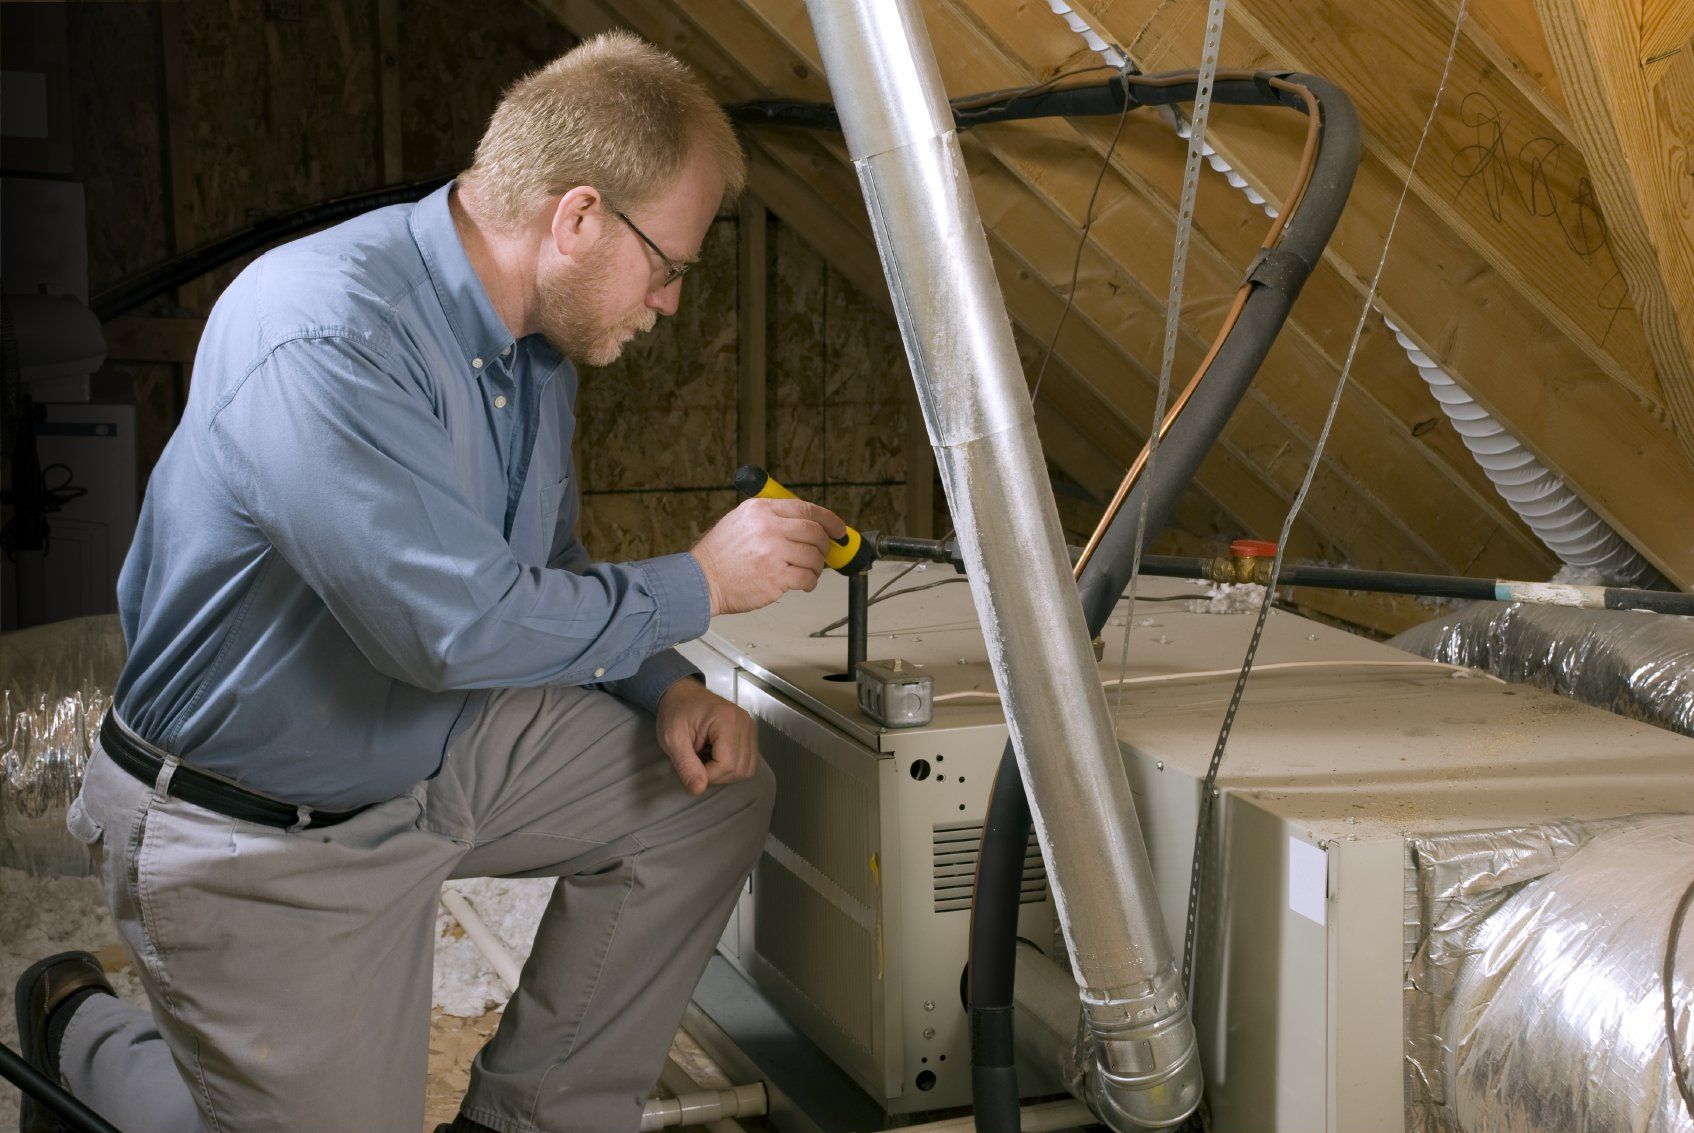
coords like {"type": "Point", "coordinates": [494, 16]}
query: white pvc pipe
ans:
{"type": "Point", "coordinates": [1044, 1118]}
{"type": "Point", "coordinates": [702, 1107]}
{"type": "Point", "coordinates": [482, 936]}
{"type": "Point", "coordinates": [705, 1107]}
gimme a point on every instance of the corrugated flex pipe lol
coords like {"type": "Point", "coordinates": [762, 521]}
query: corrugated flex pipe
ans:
{"type": "Point", "coordinates": [1567, 526]}
{"type": "Point", "coordinates": [1559, 519]}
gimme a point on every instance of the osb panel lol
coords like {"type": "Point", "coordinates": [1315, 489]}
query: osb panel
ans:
{"type": "Point", "coordinates": [796, 353]}
{"type": "Point", "coordinates": [281, 97]}
{"type": "Point", "coordinates": [617, 527]}
{"type": "Point", "coordinates": [455, 61]}
{"type": "Point", "coordinates": [118, 137]}
{"type": "Point", "coordinates": [663, 416]}
{"type": "Point", "coordinates": [865, 383]}
{"type": "Point", "coordinates": [838, 382]}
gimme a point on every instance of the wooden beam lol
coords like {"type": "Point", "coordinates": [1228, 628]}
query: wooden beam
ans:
{"type": "Point", "coordinates": [1667, 27]}
{"type": "Point", "coordinates": [391, 131]}
{"type": "Point", "coordinates": [1410, 458]}
{"type": "Point", "coordinates": [1637, 148]}
{"type": "Point", "coordinates": [753, 267]}
{"type": "Point", "coordinates": [1501, 177]}
{"type": "Point", "coordinates": [1504, 351]}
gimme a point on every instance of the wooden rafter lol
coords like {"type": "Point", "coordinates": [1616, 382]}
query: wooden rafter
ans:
{"type": "Point", "coordinates": [1504, 350]}
{"type": "Point", "coordinates": [1386, 438]}
{"type": "Point", "coordinates": [1638, 139]}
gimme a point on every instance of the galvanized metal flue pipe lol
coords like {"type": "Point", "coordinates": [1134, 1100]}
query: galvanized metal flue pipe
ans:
{"type": "Point", "coordinates": [899, 131]}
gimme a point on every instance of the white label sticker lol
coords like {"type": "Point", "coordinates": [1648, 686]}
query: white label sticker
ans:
{"type": "Point", "coordinates": [1308, 879]}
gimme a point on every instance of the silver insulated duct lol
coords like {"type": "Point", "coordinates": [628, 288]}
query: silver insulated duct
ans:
{"type": "Point", "coordinates": [899, 130]}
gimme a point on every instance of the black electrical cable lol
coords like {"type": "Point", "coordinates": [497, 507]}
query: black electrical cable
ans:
{"type": "Point", "coordinates": [1679, 1066]}
{"type": "Point", "coordinates": [194, 263]}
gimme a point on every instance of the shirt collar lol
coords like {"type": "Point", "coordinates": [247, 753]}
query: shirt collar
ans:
{"type": "Point", "coordinates": [481, 334]}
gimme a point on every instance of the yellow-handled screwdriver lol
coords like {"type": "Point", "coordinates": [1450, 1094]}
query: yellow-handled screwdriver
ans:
{"type": "Point", "coordinates": [849, 554]}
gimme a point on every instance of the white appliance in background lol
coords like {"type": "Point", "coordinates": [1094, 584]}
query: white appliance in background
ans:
{"type": "Point", "coordinates": [86, 448]}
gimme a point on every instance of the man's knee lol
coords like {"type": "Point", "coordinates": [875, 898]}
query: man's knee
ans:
{"type": "Point", "coordinates": [751, 817]}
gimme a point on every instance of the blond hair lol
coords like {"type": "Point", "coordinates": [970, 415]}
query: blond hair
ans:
{"type": "Point", "coordinates": [615, 113]}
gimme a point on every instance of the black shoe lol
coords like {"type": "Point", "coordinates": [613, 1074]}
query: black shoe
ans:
{"type": "Point", "coordinates": [46, 985]}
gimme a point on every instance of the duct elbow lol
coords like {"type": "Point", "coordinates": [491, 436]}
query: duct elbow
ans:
{"type": "Point", "coordinates": [1146, 1068]}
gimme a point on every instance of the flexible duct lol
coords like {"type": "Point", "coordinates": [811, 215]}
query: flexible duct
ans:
{"type": "Point", "coordinates": [899, 130]}
{"type": "Point", "coordinates": [1558, 1012]}
{"type": "Point", "coordinates": [1568, 527]}
{"type": "Point", "coordinates": [55, 687]}
{"type": "Point", "coordinates": [1637, 665]}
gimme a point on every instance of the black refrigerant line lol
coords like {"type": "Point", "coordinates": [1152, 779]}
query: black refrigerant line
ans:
{"type": "Point", "coordinates": [1277, 276]}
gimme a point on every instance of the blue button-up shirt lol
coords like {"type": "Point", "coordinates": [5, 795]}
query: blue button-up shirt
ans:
{"type": "Point", "coordinates": [366, 514]}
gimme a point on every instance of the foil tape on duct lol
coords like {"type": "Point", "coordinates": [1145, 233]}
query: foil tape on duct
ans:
{"type": "Point", "coordinates": [1637, 665]}
{"type": "Point", "coordinates": [1557, 1020]}
{"type": "Point", "coordinates": [55, 686]}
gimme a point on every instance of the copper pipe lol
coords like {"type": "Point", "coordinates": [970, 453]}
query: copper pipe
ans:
{"type": "Point", "coordinates": [1303, 177]}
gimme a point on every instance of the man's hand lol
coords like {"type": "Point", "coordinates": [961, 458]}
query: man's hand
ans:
{"type": "Point", "coordinates": [763, 549]}
{"type": "Point", "coordinates": [709, 740]}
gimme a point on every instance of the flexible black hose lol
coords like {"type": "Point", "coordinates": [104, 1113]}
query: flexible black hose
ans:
{"type": "Point", "coordinates": [1000, 863]}
{"type": "Point", "coordinates": [195, 262]}
{"type": "Point", "coordinates": [50, 1094]}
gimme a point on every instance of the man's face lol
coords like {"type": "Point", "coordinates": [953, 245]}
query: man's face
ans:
{"type": "Point", "coordinates": [593, 302]}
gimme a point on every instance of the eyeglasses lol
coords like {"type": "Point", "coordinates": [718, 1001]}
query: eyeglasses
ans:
{"type": "Point", "coordinates": [674, 269]}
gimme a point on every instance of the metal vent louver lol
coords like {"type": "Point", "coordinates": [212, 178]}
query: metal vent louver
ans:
{"type": "Point", "coordinates": [955, 850]}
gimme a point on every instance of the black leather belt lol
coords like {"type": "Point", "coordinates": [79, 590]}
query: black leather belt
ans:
{"type": "Point", "coordinates": [215, 794]}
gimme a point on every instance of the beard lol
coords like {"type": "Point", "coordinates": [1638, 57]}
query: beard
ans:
{"type": "Point", "coordinates": [568, 317]}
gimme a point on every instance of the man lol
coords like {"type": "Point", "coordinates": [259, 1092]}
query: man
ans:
{"type": "Point", "coordinates": [368, 654]}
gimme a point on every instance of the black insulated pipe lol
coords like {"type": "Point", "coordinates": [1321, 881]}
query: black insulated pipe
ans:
{"type": "Point", "coordinates": [993, 949]}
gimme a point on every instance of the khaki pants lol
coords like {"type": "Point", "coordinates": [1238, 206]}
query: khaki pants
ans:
{"type": "Point", "coordinates": [290, 973]}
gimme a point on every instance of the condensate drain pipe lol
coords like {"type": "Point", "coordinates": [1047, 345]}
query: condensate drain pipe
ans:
{"type": "Point", "coordinates": [899, 130]}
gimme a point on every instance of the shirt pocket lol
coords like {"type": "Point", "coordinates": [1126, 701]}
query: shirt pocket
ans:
{"type": "Point", "coordinates": [532, 536]}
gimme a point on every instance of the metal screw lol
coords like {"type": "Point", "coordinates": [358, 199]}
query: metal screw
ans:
{"type": "Point", "coordinates": [1160, 765]}
{"type": "Point", "coordinates": [929, 1005]}
{"type": "Point", "coordinates": [929, 1032]}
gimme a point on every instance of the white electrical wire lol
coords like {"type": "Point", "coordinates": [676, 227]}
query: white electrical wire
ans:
{"type": "Point", "coordinates": [1199, 674]}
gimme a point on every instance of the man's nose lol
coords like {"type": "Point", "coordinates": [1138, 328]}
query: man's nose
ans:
{"type": "Point", "coordinates": [665, 299]}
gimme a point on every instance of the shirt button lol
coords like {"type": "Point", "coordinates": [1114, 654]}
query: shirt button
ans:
{"type": "Point", "coordinates": [506, 353]}
{"type": "Point", "coordinates": [476, 363]}
{"type": "Point", "coordinates": [500, 402]}
{"type": "Point", "coordinates": [599, 672]}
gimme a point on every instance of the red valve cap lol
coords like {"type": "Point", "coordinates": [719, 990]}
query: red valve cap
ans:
{"type": "Point", "coordinates": [1253, 549]}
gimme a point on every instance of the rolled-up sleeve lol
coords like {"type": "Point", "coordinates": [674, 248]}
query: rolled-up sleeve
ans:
{"type": "Point", "coordinates": [336, 456]}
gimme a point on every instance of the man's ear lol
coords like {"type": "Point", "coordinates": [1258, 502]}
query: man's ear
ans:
{"type": "Point", "coordinates": [577, 221]}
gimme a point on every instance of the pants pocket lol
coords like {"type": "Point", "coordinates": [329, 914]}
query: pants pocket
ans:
{"type": "Point", "coordinates": [84, 827]}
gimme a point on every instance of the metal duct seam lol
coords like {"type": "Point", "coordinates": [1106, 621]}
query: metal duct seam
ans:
{"type": "Point", "coordinates": [1567, 526]}
{"type": "Point", "coordinates": [978, 411]}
